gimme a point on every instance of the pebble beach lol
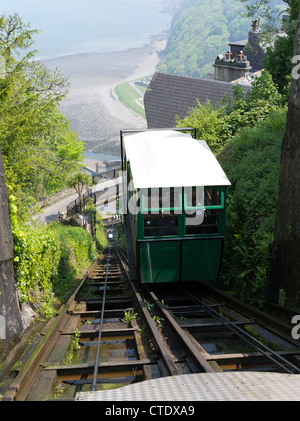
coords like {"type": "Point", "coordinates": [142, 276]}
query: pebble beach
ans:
{"type": "Point", "coordinates": [91, 106]}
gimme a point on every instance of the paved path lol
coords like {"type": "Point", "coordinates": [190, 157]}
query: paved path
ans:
{"type": "Point", "coordinates": [50, 212]}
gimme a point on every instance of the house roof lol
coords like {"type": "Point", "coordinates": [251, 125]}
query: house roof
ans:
{"type": "Point", "coordinates": [256, 56]}
{"type": "Point", "coordinates": [241, 43]}
{"type": "Point", "coordinates": [168, 158]}
{"type": "Point", "coordinates": [170, 95]}
{"type": "Point", "coordinates": [252, 49]}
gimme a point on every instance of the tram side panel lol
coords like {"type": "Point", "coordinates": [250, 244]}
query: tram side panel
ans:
{"type": "Point", "coordinates": [160, 261]}
{"type": "Point", "coordinates": [188, 256]}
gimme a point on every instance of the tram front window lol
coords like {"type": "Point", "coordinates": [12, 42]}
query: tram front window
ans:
{"type": "Point", "coordinates": [161, 211]}
{"type": "Point", "coordinates": [161, 224]}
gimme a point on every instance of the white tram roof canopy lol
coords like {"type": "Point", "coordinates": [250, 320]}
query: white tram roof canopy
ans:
{"type": "Point", "coordinates": [169, 158]}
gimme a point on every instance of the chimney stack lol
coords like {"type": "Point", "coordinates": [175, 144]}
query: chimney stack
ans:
{"type": "Point", "coordinates": [229, 69]}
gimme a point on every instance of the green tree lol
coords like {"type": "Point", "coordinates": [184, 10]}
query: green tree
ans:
{"type": "Point", "coordinates": [39, 148]}
{"type": "Point", "coordinates": [207, 120]}
{"type": "Point", "coordinates": [278, 62]}
{"type": "Point", "coordinates": [216, 123]}
{"type": "Point", "coordinates": [285, 263]}
{"type": "Point", "coordinates": [28, 89]}
{"type": "Point", "coordinates": [250, 160]}
{"type": "Point", "coordinates": [256, 106]}
{"type": "Point", "coordinates": [79, 181]}
{"type": "Point", "coordinates": [279, 52]}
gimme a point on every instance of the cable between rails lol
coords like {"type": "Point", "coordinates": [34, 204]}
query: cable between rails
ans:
{"type": "Point", "coordinates": [101, 324]}
{"type": "Point", "coordinates": [265, 350]}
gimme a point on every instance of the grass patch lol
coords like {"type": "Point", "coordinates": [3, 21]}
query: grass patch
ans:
{"type": "Point", "coordinates": [130, 98]}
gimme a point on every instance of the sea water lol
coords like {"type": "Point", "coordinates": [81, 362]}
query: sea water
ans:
{"type": "Point", "coordinates": [80, 26]}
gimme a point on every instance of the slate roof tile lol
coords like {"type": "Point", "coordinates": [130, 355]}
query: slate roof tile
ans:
{"type": "Point", "coordinates": [170, 95]}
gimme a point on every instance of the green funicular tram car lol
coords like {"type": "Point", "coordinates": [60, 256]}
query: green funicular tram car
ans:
{"type": "Point", "coordinates": [176, 194]}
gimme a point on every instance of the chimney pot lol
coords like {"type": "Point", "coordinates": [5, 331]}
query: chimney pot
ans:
{"type": "Point", "coordinates": [240, 56]}
{"type": "Point", "coordinates": [228, 55]}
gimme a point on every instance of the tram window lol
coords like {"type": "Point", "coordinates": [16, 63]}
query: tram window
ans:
{"type": "Point", "coordinates": [209, 225]}
{"type": "Point", "coordinates": [194, 196]}
{"type": "Point", "coordinates": [160, 209]}
{"type": "Point", "coordinates": [160, 224]}
{"type": "Point", "coordinates": [155, 199]}
{"type": "Point", "coordinates": [197, 196]}
{"type": "Point", "coordinates": [212, 197]}
{"type": "Point", "coordinates": [199, 219]}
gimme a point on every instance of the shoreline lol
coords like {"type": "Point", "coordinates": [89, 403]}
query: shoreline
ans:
{"type": "Point", "coordinates": [94, 112]}
{"type": "Point", "coordinates": [111, 101]}
{"type": "Point", "coordinates": [161, 37]}
{"type": "Point", "coordinates": [146, 67]}
{"type": "Point", "coordinates": [150, 62]}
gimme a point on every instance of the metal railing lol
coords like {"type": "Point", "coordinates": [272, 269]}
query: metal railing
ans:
{"type": "Point", "coordinates": [74, 206]}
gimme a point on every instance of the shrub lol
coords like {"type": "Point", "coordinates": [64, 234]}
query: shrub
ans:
{"type": "Point", "coordinates": [251, 160]}
{"type": "Point", "coordinates": [48, 261]}
{"type": "Point", "coordinates": [207, 120]}
{"type": "Point", "coordinates": [216, 123]}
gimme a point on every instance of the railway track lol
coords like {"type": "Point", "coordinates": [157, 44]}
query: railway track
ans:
{"type": "Point", "coordinates": [232, 336]}
{"type": "Point", "coordinates": [114, 332]}
{"type": "Point", "coordinates": [104, 337]}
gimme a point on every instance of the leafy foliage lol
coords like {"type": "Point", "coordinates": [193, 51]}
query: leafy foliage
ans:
{"type": "Point", "coordinates": [218, 122]}
{"type": "Point", "coordinates": [246, 133]}
{"type": "Point", "coordinates": [39, 152]}
{"type": "Point", "coordinates": [278, 62]}
{"type": "Point", "coordinates": [39, 149]}
{"type": "Point", "coordinates": [207, 120]}
{"type": "Point", "coordinates": [251, 161]}
{"type": "Point", "coordinates": [246, 112]}
{"type": "Point", "coordinates": [201, 29]}
{"type": "Point", "coordinates": [48, 260]}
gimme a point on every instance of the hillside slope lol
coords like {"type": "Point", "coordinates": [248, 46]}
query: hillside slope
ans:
{"type": "Point", "coordinates": [200, 31]}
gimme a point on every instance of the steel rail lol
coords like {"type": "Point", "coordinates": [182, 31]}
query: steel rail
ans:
{"type": "Point", "coordinates": [21, 385]}
{"type": "Point", "coordinates": [266, 351]}
{"type": "Point", "coordinates": [188, 344]}
{"type": "Point", "coordinates": [171, 367]}
{"type": "Point", "coordinates": [94, 384]}
{"type": "Point", "coordinates": [274, 325]}
{"type": "Point", "coordinates": [170, 364]}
